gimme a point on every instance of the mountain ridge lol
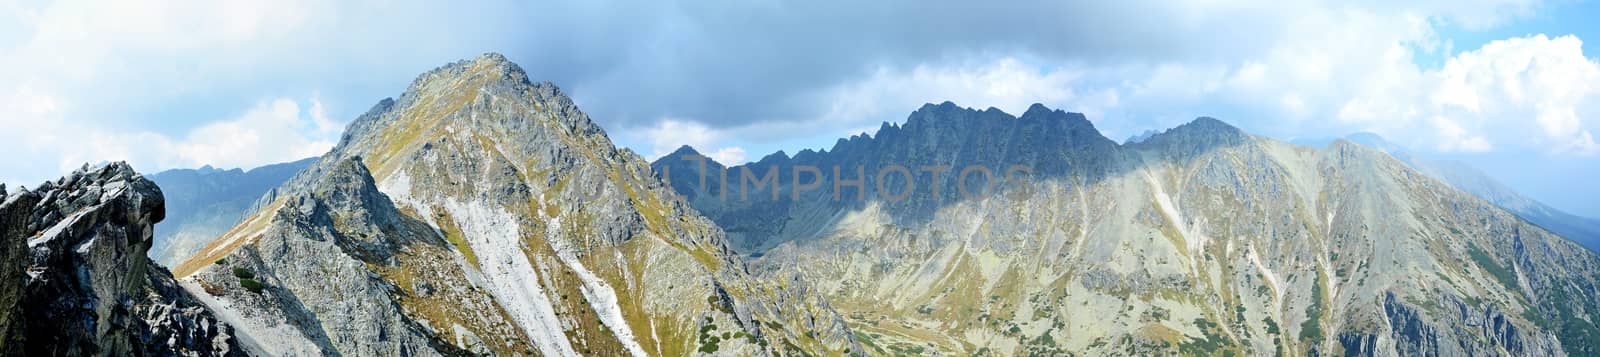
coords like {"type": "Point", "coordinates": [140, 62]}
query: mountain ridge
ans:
{"type": "Point", "coordinates": [1584, 230]}
{"type": "Point", "coordinates": [1202, 239]}
{"type": "Point", "coordinates": [540, 237]}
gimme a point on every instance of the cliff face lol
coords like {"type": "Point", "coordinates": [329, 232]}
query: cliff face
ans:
{"type": "Point", "coordinates": [482, 212]}
{"type": "Point", "coordinates": [77, 279]}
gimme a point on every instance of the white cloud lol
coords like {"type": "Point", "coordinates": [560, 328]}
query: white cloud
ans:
{"type": "Point", "coordinates": [669, 134]}
{"type": "Point", "coordinates": [273, 131]}
{"type": "Point", "coordinates": [71, 72]}
{"type": "Point", "coordinates": [1007, 83]}
{"type": "Point", "coordinates": [1533, 92]}
{"type": "Point", "coordinates": [728, 155]}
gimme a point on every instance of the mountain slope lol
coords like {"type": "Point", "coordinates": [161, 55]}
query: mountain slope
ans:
{"type": "Point", "coordinates": [203, 203]}
{"type": "Point", "coordinates": [76, 279]}
{"type": "Point", "coordinates": [1199, 240]}
{"type": "Point", "coordinates": [484, 213]}
{"type": "Point", "coordinates": [1585, 231]}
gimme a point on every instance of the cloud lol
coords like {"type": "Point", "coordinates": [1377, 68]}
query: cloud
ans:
{"type": "Point", "coordinates": [273, 131]}
{"type": "Point", "coordinates": [728, 155]}
{"type": "Point", "coordinates": [1006, 83]}
{"type": "Point", "coordinates": [670, 134]}
{"type": "Point", "coordinates": [748, 73]}
{"type": "Point", "coordinates": [1535, 93]}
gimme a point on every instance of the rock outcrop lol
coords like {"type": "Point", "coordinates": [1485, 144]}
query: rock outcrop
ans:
{"type": "Point", "coordinates": [76, 279]}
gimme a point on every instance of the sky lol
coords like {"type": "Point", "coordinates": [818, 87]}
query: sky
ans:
{"type": "Point", "coordinates": [1509, 86]}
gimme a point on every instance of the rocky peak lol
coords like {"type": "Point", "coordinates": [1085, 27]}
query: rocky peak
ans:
{"type": "Point", "coordinates": [1194, 138]}
{"type": "Point", "coordinates": [492, 65]}
{"type": "Point", "coordinates": [110, 184]}
{"type": "Point", "coordinates": [364, 220]}
{"type": "Point", "coordinates": [684, 150]}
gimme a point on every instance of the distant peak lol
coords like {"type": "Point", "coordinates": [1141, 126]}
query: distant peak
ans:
{"type": "Point", "coordinates": [685, 150]}
{"type": "Point", "coordinates": [1038, 110]}
{"type": "Point", "coordinates": [1141, 136]}
{"type": "Point", "coordinates": [1198, 135]}
{"type": "Point", "coordinates": [1211, 122]}
{"type": "Point", "coordinates": [1377, 142]}
{"type": "Point", "coordinates": [776, 157]}
{"type": "Point", "coordinates": [1369, 139]}
{"type": "Point", "coordinates": [1208, 126]}
{"type": "Point", "coordinates": [946, 106]}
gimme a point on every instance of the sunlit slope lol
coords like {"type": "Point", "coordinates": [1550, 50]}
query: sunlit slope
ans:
{"type": "Point", "coordinates": [481, 212]}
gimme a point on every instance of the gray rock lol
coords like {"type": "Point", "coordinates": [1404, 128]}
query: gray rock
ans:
{"type": "Point", "coordinates": [85, 286]}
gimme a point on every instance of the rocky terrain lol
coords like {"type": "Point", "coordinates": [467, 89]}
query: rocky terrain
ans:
{"type": "Point", "coordinates": [1584, 230]}
{"type": "Point", "coordinates": [1201, 240]}
{"type": "Point", "coordinates": [483, 213]}
{"type": "Point", "coordinates": [76, 280]}
{"type": "Point", "coordinates": [204, 203]}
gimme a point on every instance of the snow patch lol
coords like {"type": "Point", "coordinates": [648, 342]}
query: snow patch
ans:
{"type": "Point", "coordinates": [493, 233]}
{"type": "Point", "coordinates": [599, 294]}
{"type": "Point", "coordinates": [398, 187]}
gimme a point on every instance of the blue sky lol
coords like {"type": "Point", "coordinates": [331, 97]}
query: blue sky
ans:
{"type": "Point", "coordinates": [1510, 86]}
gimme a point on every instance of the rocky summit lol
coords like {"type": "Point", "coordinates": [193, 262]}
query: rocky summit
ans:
{"type": "Point", "coordinates": [1200, 240]}
{"type": "Point", "coordinates": [484, 213]}
{"type": "Point", "coordinates": [76, 279]}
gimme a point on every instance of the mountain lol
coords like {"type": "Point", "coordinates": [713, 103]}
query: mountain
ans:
{"type": "Point", "coordinates": [1200, 240]}
{"type": "Point", "coordinates": [1584, 230]}
{"type": "Point", "coordinates": [481, 212]}
{"type": "Point", "coordinates": [203, 203]}
{"type": "Point", "coordinates": [77, 281]}
{"type": "Point", "coordinates": [759, 217]}
{"type": "Point", "coordinates": [1140, 138]}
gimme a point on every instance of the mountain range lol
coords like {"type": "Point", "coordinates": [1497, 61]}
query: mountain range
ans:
{"type": "Point", "coordinates": [1199, 240]}
{"type": "Point", "coordinates": [483, 213]}
{"type": "Point", "coordinates": [203, 203]}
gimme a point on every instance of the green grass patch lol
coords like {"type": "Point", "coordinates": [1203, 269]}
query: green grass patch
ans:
{"type": "Point", "coordinates": [1311, 329]}
{"type": "Point", "coordinates": [1500, 273]}
{"type": "Point", "coordinates": [252, 285]}
{"type": "Point", "coordinates": [243, 273]}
